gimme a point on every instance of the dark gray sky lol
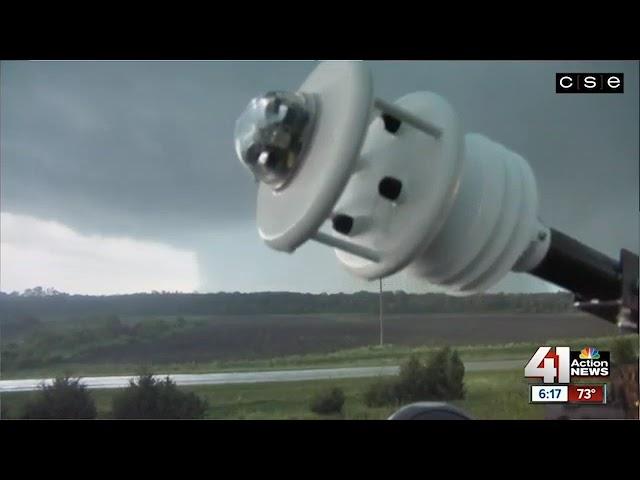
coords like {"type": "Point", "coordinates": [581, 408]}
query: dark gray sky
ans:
{"type": "Point", "coordinates": [142, 152]}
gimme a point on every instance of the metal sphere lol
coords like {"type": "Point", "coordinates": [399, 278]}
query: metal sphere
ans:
{"type": "Point", "coordinates": [272, 133]}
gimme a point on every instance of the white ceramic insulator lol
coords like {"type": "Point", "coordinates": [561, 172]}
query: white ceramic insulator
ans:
{"type": "Point", "coordinates": [493, 222]}
{"type": "Point", "coordinates": [468, 210]}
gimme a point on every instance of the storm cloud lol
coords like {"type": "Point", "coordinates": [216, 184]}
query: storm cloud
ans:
{"type": "Point", "coordinates": [144, 150]}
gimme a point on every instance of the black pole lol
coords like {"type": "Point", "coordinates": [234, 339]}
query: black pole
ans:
{"type": "Point", "coordinates": [580, 269]}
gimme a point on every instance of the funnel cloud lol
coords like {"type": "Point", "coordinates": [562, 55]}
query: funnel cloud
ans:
{"type": "Point", "coordinates": [143, 152]}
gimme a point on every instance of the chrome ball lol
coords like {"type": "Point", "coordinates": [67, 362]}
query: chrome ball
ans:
{"type": "Point", "coordinates": [272, 133]}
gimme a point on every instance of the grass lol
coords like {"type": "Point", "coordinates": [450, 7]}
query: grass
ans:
{"type": "Point", "coordinates": [355, 357]}
{"type": "Point", "coordinates": [82, 345]}
{"type": "Point", "coordinates": [490, 395]}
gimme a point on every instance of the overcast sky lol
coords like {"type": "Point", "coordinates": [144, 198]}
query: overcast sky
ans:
{"type": "Point", "coordinates": [121, 176]}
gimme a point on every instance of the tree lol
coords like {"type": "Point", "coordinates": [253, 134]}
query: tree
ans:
{"type": "Point", "coordinates": [328, 401]}
{"type": "Point", "coordinates": [150, 398]}
{"type": "Point", "coordinates": [383, 391]}
{"type": "Point", "coordinates": [440, 378]}
{"type": "Point", "coordinates": [34, 292]}
{"type": "Point", "coordinates": [445, 372]}
{"type": "Point", "coordinates": [66, 398]}
{"type": "Point", "coordinates": [29, 321]}
{"type": "Point", "coordinates": [414, 383]}
{"type": "Point", "coordinates": [114, 326]}
{"type": "Point", "coordinates": [625, 350]}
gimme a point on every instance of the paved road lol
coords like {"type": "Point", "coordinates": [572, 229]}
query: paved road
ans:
{"type": "Point", "coordinates": [253, 377]}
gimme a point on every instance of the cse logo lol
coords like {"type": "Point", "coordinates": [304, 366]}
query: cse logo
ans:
{"type": "Point", "coordinates": [589, 82]}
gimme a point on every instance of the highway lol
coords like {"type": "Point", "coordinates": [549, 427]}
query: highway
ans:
{"type": "Point", "coordinates": [122, 381]}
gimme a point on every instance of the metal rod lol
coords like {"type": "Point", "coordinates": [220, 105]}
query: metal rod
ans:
{"type": "Point", "coordinates": [407, 117]}
{"type": "Point", "coordinates": [580, 269]}
{"type": "Point", "coordinates": [348, 247]}
{"type": "Point", "coordinates": [380, 310]}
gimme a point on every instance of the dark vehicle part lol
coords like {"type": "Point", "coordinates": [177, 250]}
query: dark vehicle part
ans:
{"type": "Point", "coordinates": [429, 411]}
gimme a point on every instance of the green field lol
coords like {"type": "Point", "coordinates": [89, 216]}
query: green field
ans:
{"type": "Point", "coordinates": [166, 345]}
{"type": "Point", "coordinates": [490, 395]}
{"type": "Point", "coordinates": [356, 357]}
{"type": "Point", "coordinates": [113, 344]}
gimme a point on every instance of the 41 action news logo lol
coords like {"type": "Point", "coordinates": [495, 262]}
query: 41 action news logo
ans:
{"type": "Point", "coordinates": [560, 364]}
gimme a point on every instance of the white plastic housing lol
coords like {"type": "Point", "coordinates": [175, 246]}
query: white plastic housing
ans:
{"type": "Point", "coordinates": [492, 224]}
{"type": "Point", "coordinates": [429, 169]}
{"type": "Point", "coordinates": [343, 95]}
{"type": "Point", "coordinates": [467, 212]}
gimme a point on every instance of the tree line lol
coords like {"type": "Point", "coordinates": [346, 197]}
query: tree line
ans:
{"type": "Point", "coordinates": [165, 303]}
